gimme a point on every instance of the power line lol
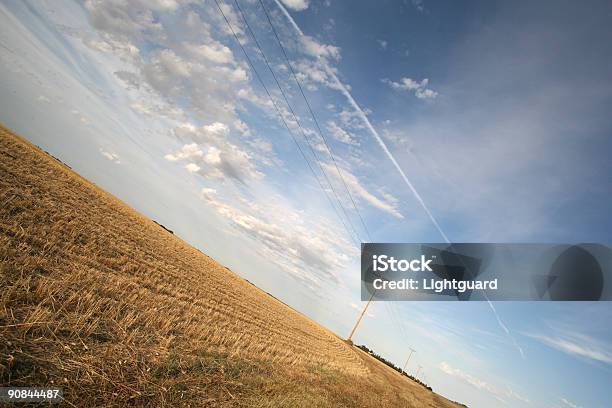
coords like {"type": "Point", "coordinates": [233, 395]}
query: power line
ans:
{"type": "Point", "coordinates": [315, 119]}
{"type": "Point", "coordinates": [316, 156]}
{"type": "Point", "coordinates": [282, 118]}
{"type": "Point", "coordinates": [383, 145]}
{"type": "Point", "coordinates": [354, 104]}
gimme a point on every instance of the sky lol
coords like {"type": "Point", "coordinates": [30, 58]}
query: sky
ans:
{"type": "Point", "coordinates": [348, 122]}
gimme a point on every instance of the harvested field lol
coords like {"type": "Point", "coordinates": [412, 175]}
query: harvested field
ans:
{"type": "Point", "coordinates": [102, 301]}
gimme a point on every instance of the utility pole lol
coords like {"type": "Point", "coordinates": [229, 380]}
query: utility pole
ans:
{"type": "Point", "coordinates": [409, 355]}
{"type": "Point", "coordinates": [417, 373]}
{"type": "Point", "coordinates": [350, 337]}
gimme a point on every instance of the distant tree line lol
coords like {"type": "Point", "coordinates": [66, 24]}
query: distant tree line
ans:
{"type": "Point", "coordinates": [161, 225]}
{"type": "Point", "coordinates": [393, 366]}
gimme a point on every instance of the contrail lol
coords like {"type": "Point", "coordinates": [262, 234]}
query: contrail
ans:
{"type": "Point", "coordinates": [342, 88]}
{"type": "Point", "coordinates": [383, 145]}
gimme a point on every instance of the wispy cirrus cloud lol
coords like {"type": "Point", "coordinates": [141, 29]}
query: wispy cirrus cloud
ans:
{"type": "Point", "coordinates": [419, 88]}
{"type": "Point", "coordinates": [570, 404]}
{"type": "Point", "coordinates": [387, 202]}
{"type": "Point", "coordinates": [576, 345]}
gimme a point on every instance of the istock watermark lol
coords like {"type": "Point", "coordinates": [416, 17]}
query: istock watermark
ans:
{"type": "Point", "coordinates": [486, 271]}
{"type": "Point", "coordinates": [382, 263]}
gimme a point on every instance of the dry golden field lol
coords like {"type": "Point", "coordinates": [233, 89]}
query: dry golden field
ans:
{"type": "Point", "coordinates": [100, 300]}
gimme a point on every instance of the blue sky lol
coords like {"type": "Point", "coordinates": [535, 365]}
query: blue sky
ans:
{"type": "Point", "coordinates": [496, 113]}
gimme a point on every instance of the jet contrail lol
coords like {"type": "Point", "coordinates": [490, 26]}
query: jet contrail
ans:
{"type": "Point", "coordinates": [383, 145]}
{"type": "Point", "coordinates": [342, 88]}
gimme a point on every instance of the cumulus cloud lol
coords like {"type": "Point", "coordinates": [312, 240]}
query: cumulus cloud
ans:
{"type": "Point", "coordinates": [301, 245]}
{"type": "Point", "coordinates": [131, 79]}
{"type": "Point", "coordinates": [108, 43]}
{"type": "Point", "coordinates": [319, 50]}
{"type": "Point", "coordinates": [500, 393]}
{"type": "Point", "coordinates": [351, 118]}
{"type": "Point", "coordinates": [215, 52]}
{"type": "Point", "coordinates": [383, 44]}
{"type": "Point", "coordinates": [192, 167]}
{"type": "Point", "coordinates": [165, 71]}
{"type": "Point", "coordinates": [124, 18]}
{"type": "Point", "coordinates": [188, 151]}
{"type": "Point", "coordinates": [191, 76]}
{"type": "Point", "coordinates": [192, 63]}
{"type": "Point", "coordinates": [211, 154]}
{"type": "Point", "coordinates": [114, 157]}
{"type": "Point", "coordinates": [296, 5]}
{"type": "Point", "coordinates": [195, 63]}
{"type": "Point", "coordinates": [315, 72]}
{"type": "Point", "coordinates": [407, 84]}
{"type": "Point", "coordinates": [340, 134]}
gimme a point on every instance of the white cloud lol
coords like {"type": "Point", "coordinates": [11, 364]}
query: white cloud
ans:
{"type": "Point", "coordinates": [407, 84]}
{"type": "Point", "coordinates": [124, 18]}
{"type": "Point", "coordinates": [351, 119]}
{"type": "Point", "coordinates": [383, 44]}
{"type": "Point", "coordinates": [576, 344]}
{"type": "Point", "coordinates": [82, 118]}
{"type": "Point", "coordinates": [213, 153]}
{"type": "Point", "coordinates": [296, 5]}
{"type": "Point", "coordinates": [319, 50]}
{"type": "Point", "coordinates": [215, 52]}
{"type": "Point", "coordinates": [131, 79]}
{"type": "Point", "coordinates": [425, 94]}
{"type": "Point", "coordinates": [498, 392]}
{"type": "Point", "coordinates": [418, 4]}
{"type": "Point", "coordinates": [109, 44]}
{"type": "Point", "coordinates": [234, 20]}
{"type": "Point", "coordinates": [306, 247]}
{"type": "Point", "coordinates": [187, 63]}
{"type": "Point", "coordinates": [388, 203]}
{"type": "Point", "coordinates": [192, 167]}
{"type": "Point", "coordinates": [310, 72]}
{"type": "Point", "coordinates": [455, 372]}
{"type": "Point", "coordinates": [114, 157]}
{"type": "Point", "coordinates": [216, 132]}
{"type": "Point", "coordinates": [569, 403]}
{"type": "Point", "coordinates": [340, 134]}
{"type": "Point", "coordinates": [360, 309]}
{"type": "Point", "coordinates": [242, 127]}
{"type": "Point", "coordinates": [165, 70]}
{"type": "Point", "coordinates": [43, 98]}
{"type": "Point", "coordinates": [208, 193]}
{"type": "Point", "coordinates": [188, 151]}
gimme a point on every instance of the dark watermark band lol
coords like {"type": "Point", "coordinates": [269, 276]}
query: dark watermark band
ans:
{"type": "Point", "coordinates": [481, 272]}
